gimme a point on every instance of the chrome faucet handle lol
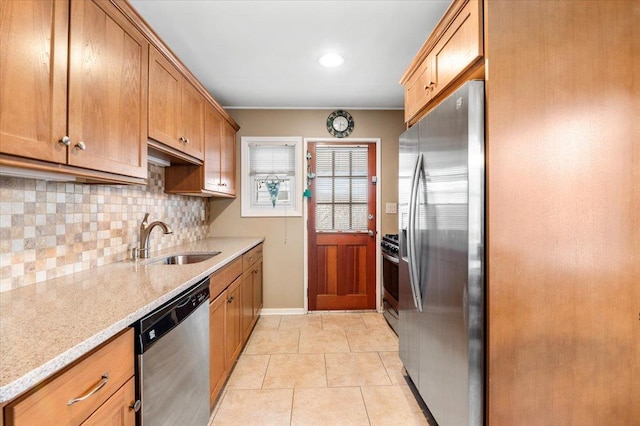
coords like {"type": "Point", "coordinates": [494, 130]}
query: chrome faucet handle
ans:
{"type": "Point", "coordinates": [144, 223]}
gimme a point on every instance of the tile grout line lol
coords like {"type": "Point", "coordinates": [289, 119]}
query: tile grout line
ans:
{"type": "Point", "coordinates": [365, 405]}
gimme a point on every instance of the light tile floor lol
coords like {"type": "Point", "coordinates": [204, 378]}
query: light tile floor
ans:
{"type": "Point", "coordinates": [319, 369]}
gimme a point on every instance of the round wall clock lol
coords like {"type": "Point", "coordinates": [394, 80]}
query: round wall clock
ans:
{"type": "Point", "coordinates": [340, 123]}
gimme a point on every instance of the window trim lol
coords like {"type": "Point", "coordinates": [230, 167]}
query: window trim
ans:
{"type": "Point", "coordinates": [247, 210]}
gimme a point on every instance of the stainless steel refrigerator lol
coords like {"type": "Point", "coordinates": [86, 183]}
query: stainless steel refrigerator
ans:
{"type": "Point", "coordinates": [441, 270]}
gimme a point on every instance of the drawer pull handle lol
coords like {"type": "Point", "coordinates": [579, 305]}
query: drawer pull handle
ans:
{"type": "Point", "coordinates": [105, 379]}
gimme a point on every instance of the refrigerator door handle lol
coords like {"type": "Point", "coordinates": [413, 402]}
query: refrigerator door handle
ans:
{"type": "Point", "coordinates": [414, 275]}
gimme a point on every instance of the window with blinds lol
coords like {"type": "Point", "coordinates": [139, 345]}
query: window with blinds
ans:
{"type": "Point", "coordinates": [342, 194]}
{"type": "Point", "coordinates": [267, 160]}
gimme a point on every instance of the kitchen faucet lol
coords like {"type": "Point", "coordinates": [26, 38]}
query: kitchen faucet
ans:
{"type": "Point", "coordinates": [145, 231]}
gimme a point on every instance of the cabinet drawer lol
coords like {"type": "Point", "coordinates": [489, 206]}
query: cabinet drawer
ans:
{"type": "Point", "coordinates": [49, 402]}
{"type": "Point", "coordinates": [223, 277]}
{"type": "Point", "coordinates": [251, 257]}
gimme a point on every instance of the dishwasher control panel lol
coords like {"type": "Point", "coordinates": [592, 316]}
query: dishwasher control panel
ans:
{"type": "Point", "coordinates": [164, 319]}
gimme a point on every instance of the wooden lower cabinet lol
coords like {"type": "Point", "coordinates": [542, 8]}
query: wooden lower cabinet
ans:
{"type": "Point", "coordinates": [257, 290]}
{"type": "Point", "coordinates": [217, 352]}
{"type": "Point", "coordinates": [233, 327]}
{"type": "Point", "coordinates": [117, 411]}
{"type": "Point", "coordinates": [247, 303]}
{"type": "Point", "coordinates": [105, 377]}
{"type": "Point", "coordinates": [236, 299]}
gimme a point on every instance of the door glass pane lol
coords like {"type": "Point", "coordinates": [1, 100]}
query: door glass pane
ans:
{"type": "Point", "coordinates": [342, 188]}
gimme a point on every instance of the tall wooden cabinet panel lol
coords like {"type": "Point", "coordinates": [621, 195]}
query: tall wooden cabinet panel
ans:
{"type": "Point", "coordinates": [563, 229]}
{"type": "Point", "coordinates": [33, 78]}
{"type": "Point", "coordinates": [107, 90]}
{"type": "Point", "coordinates": [80, 56]}
{"type": "Point", "coordinates": [176, 108]}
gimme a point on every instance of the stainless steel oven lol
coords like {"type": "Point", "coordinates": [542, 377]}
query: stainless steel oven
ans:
{"type": "Point", "coordinates": [390, 279]}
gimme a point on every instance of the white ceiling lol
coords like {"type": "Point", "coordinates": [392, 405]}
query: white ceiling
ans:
{"type": "Point", "coordinates": [264, 54]}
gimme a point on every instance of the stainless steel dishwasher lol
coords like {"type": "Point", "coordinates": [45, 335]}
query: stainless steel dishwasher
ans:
{"type": "Point", "coordinates": [173, 361]}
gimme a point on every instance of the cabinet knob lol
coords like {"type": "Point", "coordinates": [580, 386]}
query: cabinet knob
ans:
{"type": "Point", "coordinates": [186, 140]}
{"type": "Point", "coordinates": [229, 300]}
{"type": "Point", "coordinates": [81, 146]}
{"type": "Point", "coordinates": [429, 85]}
{"type": "Point", "coordinates": [65, 141]}
{"type": "Point", "coordinates": [181, 139]}
{"type": "Point", "coordinates": [136, 406]}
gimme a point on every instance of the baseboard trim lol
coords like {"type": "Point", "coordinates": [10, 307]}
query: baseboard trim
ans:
{"type": "Point", "coordinates": [285, 311]}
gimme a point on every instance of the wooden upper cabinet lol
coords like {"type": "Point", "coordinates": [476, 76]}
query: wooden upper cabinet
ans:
{"type": "Point", "coordinates": [216, 177]}
{"type": "Point", "coordinates": [84, 57]}
{"type": "Point", "coordinates": [450, 56]}
{"type": "Point", "coordinates": [228, 160]}
{"type": "Point", "coordinates": [107, 90]}
{"type": "Point", "coordinates": [420, 89]}
{"type": "Point", "coordinates": [176, 108]}
{"type": "Point", "coordinates": [33, 99]}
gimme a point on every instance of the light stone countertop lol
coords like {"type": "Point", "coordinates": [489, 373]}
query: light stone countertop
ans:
{"type": "Point", "coordinates": [45, 327]}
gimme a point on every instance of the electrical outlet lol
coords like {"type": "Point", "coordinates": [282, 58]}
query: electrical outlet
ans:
{"type": "Point", "coordinates": [391, 208]}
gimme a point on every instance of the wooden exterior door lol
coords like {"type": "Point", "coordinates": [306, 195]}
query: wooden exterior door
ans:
{"type": "Point", "coordinates": [341, 227]}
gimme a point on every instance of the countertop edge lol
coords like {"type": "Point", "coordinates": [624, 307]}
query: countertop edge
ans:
{"type": "Point", "coordinates": [15, 388]}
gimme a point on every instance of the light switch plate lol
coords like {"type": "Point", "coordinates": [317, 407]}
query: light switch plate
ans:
{"type": "Point", "coordinates": [391, 208]}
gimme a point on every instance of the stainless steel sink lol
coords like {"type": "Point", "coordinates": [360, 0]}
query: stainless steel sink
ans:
{"type": "Point", "coordinates": [182, 258]}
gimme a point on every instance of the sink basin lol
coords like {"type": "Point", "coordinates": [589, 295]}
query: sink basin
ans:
{"type": "Point", "coordinates": [183, 258]}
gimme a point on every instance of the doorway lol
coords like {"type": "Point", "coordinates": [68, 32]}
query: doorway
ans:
{"type": "Point", "coordinates": [341, 226]}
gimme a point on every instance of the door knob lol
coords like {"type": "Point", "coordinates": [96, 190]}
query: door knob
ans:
{"type": "Point", "coordinates": [371, 233]}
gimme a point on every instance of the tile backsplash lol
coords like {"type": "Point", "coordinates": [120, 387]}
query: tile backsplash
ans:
{"type": "Point", "coordinates": [51, 229]}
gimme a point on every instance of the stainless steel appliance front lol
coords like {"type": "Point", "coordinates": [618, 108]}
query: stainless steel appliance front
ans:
{"type": "Point", "coordinates": [441, 268]}
{"type": "Point", "coordinates": [173, 361]}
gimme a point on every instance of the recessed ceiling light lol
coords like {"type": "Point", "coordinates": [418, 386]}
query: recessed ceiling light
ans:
{"type": "Point", "coordinates": [331, 60]}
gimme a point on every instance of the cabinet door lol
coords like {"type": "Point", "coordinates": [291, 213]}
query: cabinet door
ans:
{"type": "Point", "coordinates": [108, 61]}
{"type": "Point", "coordinates": [33, 78]}
{"type": "Point", "coordinates": [165, 87]}
{"type": "Point", "coordinates": [247, 302]}
{"type": "Point", "coordinates": [217, 345]}
{"type": "Point", "coordinates": [420, 90]}
{"type": "Point", "coordinates": [192, 121]}
{"type": "Point", "coordinates": [234, 318]}
{"type": "Point", "coordinates": [228, 159]}
{"type": "Point", "coordinates": [212, 143]}
{"type": "Point", "coordinates": [257, 289]}
{"type": "Point", "coordinates": [117, 410]}
{"type": "Point", "coordinates": [459, 48]}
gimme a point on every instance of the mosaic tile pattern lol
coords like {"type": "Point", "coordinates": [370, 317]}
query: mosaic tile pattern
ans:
{"type": "Point", "coordinates": [51, 229]}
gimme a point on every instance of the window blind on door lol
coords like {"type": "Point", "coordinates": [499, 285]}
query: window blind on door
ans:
{"type": "Point", "coordinates": [342, 194]}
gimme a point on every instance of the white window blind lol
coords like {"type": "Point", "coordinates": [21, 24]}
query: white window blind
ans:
{"type": "Point", "coordinates": [279, 160]}
{"type": "Point", "coordinates": [342, 191]}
